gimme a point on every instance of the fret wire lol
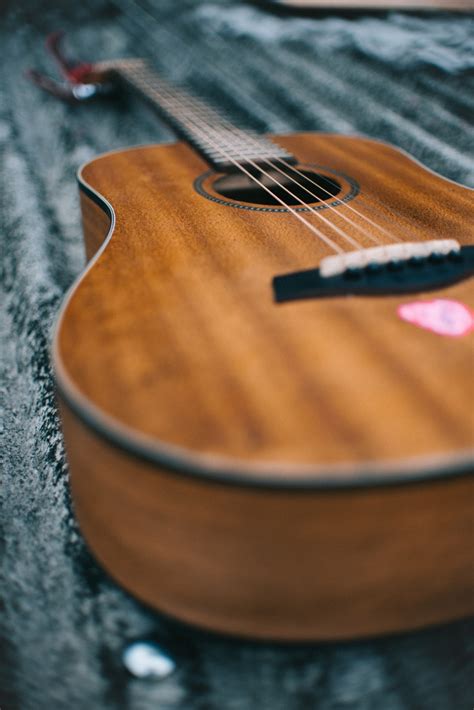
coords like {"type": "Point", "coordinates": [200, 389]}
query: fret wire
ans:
{"type": "Point", "coordinates": [141, 76]}
{"type": "Point", "coordinates": [244, 146]}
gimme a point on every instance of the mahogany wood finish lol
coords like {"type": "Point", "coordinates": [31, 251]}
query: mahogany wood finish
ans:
{"type": "Point", "coordinates": [281, 471]}
{"type": "Point", "coordinates": [268, 563]}
{"type": "Point", "coordinates": [95, 224]}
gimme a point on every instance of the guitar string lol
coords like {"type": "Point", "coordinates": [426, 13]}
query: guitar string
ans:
{"type": "Point", "coordinates": [338, 202]}
{"type": "Point", "coordinates": [192, 124]}
{"type": "Point", "coordinates": [341, 203]}
{"type": "Point", "coordinates": [373, 204]}
{"type": "Point", "coordinates": [330, 242]}
{"type": "Point", "coordinates": [258, 167]}
{"type": "Point", "coordinates": [238, 133]}
{"type": "Point", "coordinates": [176, 101]}
{"type": "Point", "coordinates": [334, 205]}
{"type": "Point", "coordinates": [254, 140]}
{"type": "Point", "coordinates": [218, 148]}
{"type": "Point", "coordinates": [309, 208]}
{"type": "Point", "coordinates": [357, 244]}
{"type": "Point", "coordinates": [207, 135]}
{"type": "Point", "coordinates": [196, 105]}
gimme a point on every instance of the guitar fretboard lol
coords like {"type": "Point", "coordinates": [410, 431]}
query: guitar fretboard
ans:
{"type": "Point", "coordinates": [223, 145]}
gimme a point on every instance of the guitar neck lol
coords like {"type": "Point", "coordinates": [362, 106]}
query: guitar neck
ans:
{"type": "Point", "coordinates": [224, 146]}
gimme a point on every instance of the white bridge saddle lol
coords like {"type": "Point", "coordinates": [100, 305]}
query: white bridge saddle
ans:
{"type": "Point", "coordinates": [338, 264]}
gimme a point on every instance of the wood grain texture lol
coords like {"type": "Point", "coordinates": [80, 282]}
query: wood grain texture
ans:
{"type": "Point", "coordinates": [173, 338]}
{"type": "Point", "coordinates": [298, 565]}
{"type": "Point", "coordinates": [185, 346]}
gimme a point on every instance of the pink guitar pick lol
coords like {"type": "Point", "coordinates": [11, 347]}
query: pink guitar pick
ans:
{"type": "Point", "coordinates": [442, 316]}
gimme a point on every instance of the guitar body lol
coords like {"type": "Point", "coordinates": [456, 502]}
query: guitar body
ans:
{"type": "Point", "coordinates": [291, 470]}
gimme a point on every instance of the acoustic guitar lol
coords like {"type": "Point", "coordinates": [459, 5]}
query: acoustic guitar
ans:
{"type": "Point", "coordinates": [265, 376]}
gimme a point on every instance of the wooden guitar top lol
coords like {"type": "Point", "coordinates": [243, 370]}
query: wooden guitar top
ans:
{"type": "Point", "coordinates": [173, 344]}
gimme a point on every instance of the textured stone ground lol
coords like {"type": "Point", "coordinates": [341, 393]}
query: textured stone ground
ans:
{"type": "Point", "coordinates": [63, 623]}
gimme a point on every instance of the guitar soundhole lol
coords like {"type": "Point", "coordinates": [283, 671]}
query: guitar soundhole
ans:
{"type": "Point", "coordinates": [307, 187]}
{"type": "Point", "coordinates": [313, 187]}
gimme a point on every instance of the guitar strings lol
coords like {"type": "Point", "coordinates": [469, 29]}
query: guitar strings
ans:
{"type": "Point", "coordinates": [312, 210]}
{"type": "Point", "coordinates": [341, 202]}
{"type": "Point", "coordinates": [205, 131]}
{"type": "Point", "coordinates": [375, 203]}
{"type": "Point", "coordinates": [296, 214]}
{"type": "Point", "coordinates": [207, 136]}
{"type": "Point", "coordinates": [338, 202]}
{"type": "Point", "coordinates": [253, 140]}
{"type": "Point", "coordinates": [197, 106]}
{"type": "Point", "coordinates": [334, 205]}
{"type": "Point", "coordinates": [330, 205]}
{"type": "Point", "coordinates": [249, 137]}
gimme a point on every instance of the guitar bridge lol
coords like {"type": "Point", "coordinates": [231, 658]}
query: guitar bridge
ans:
{"type": "Point", "coordinates": [398, 268]}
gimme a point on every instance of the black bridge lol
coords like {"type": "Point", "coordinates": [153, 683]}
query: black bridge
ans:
{"type": "Point", "coordinates": [410, 276]}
